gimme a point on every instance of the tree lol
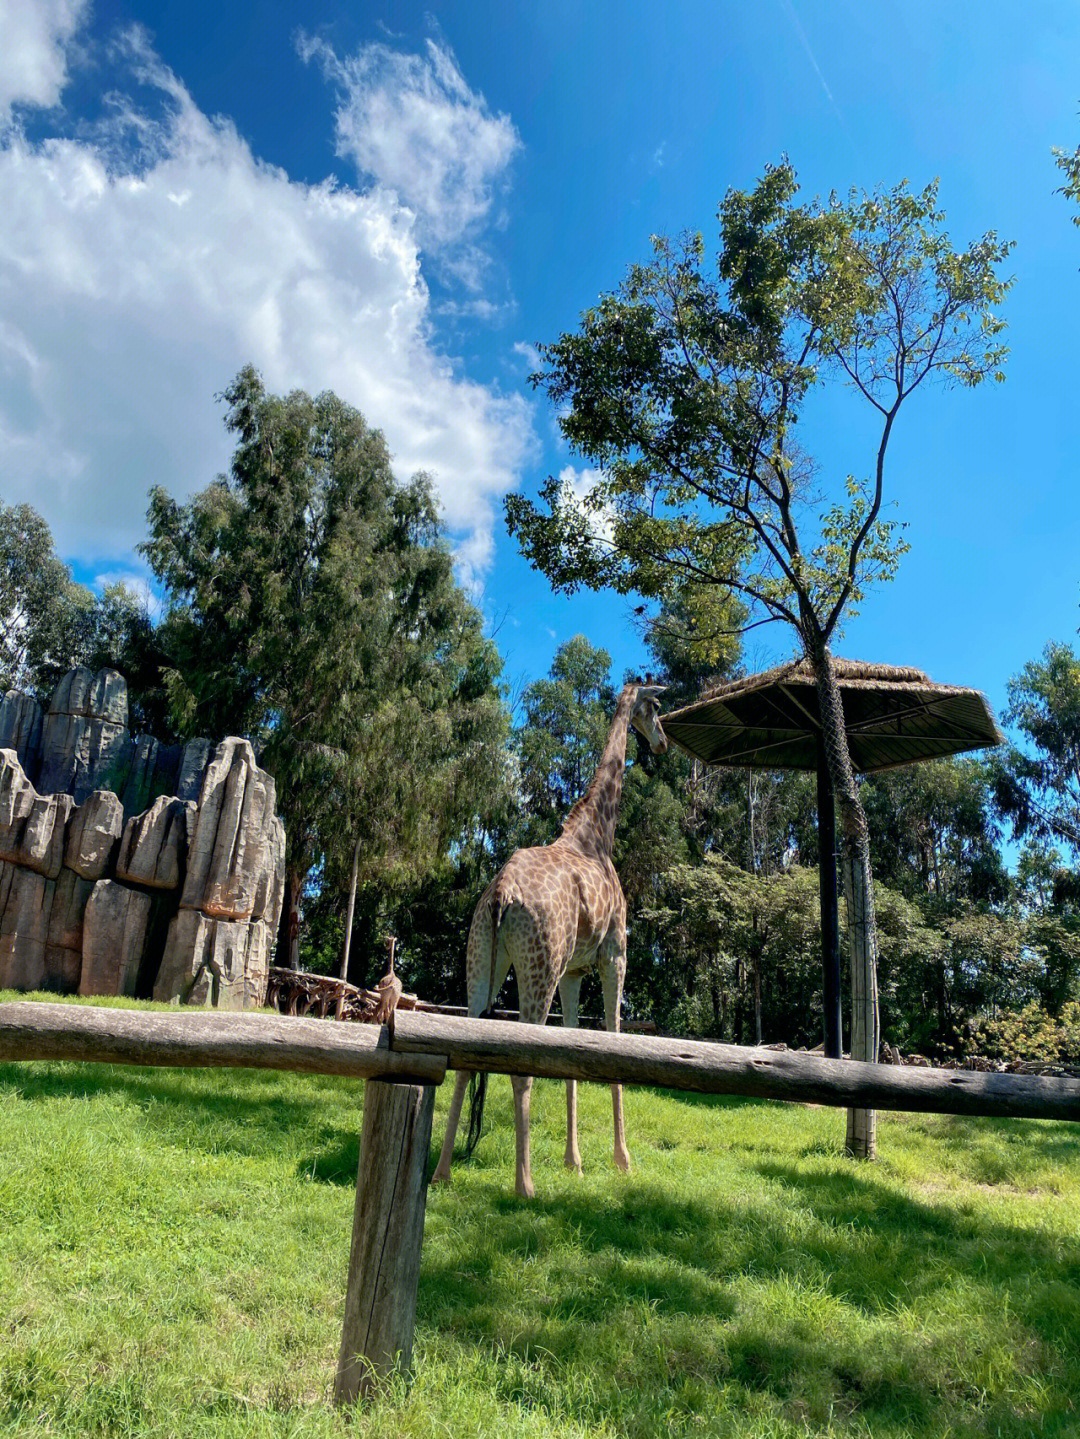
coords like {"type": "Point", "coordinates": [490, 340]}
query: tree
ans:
{"type": "Point", "coordinates": [684, 388]}
{"type": "Point", "coordinates": [934, 832]}
{"type": "Point", "coordinates": [566, 721]}
{"type": "Point", "coordinates": [49, 623]}
{"type": "Point", "coordinates": [43, 612]}
{"type": "Point", "coordinates": [311, 606]}
{"type": "Point", "coordinates": [429, 760]}
{"type": "Point", "coordinates": [1069, 165]}
{"type": "Point", "coordinates": [1038, 789]}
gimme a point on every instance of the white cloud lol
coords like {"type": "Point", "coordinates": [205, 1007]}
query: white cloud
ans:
{"type": "Point", "coordinates": [577, 486]}
{"type": "Point", "coordinates": [412, 123]}
{"type": "Point", "coordinates": [33, 55]}
{"type": "Point", "coordinates": [140, 267]}
{"type": "Point", "coordinates": [529, 353]}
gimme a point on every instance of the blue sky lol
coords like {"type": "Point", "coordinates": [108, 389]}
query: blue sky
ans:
{"type": "Point", "coordinates": [396, 202]}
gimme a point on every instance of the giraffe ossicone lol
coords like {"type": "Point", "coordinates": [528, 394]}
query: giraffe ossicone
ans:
{"type": "Point", "coordinates": [552, 913]}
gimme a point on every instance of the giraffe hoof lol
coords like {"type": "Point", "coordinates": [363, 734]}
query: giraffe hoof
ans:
{"type": "Point", "coordinates": [441, 1176]}
{"type": "Point", "coordinates": [622, 1161]}
{"type": "Point", "coordinates": [525, 1189]}
{"type": "Point", "coordinates": [573, 1161]}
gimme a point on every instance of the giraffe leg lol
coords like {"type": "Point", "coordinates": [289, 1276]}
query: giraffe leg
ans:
{"type": "Point", "coordinates": [442, 1169]}
{"type": "Point", "coordinates": [612, 970]}
{"type": "Point", "coordinates": [570, 994]}
{"type": "Point", "coordinates": [523, 1177]}
{"type": "Point", "coordinates": [536, 990]}
{"type": "Point", "coordinates": [478, 975]}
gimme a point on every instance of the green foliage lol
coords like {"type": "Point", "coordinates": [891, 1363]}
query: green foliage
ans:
{"type": "Point", "coordinates": [935, 832]}
{"type": "Point", "coordinates": [43, 612]}
{"type": "Point", "coordinates": [684, 386]}
{"type": "Point", "coordinates": [1038, 789]}
{"type": "Point", "coordinates": [1029, 1033]}
{"type": "Point", "coordinates": [695, 637]}
{"type": "Point", "coordinates": [49, 624]}
{"type": "Point", "coordinates": [742, 951]}
{"type": "Point", "coordinates": [175, 1245]}
{"type": "Point", "coordinates": [312, 607]}
{"type": "Point", "coordinates": [566, 721]}
{"type": "Point", "coordinates": [1069, 165]}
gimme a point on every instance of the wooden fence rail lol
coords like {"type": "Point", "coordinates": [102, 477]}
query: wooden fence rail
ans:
{"type": "Point", "coordinates": [497, 1047]}
{"type": "Point", "coordinates": [198, 1039]}
{"type": "Point", "coordinates": [413, 1055]}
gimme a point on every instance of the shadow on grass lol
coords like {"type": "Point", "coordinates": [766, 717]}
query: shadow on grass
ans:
{"type": "Point", "coordinates": [336, 1162]}
{"type": "Point", "coordinates": [789, 1283]}
{"type": "Point", "coordinates": [821, 1245]}
{"type": "Point", "coordinates": [245, 1111]}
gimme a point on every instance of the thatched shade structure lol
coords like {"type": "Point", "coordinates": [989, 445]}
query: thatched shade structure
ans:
{"type": "Point", "coordinates": [894, 716]}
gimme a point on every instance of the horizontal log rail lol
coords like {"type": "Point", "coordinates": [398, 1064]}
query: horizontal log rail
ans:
{"type": "Point", "coordinates": [585, 1021]}
{"type": "Point", "coordinates": [30, 1029]}
{"type": "Point", "coordinates": [422, 1046]}
{"type": "Point", "coordinates": [494, 1046]}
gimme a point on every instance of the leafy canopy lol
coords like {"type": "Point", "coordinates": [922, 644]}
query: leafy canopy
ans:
{"type": "Point", "coordinates": [312, 607]}
{"type": "Point", "coordinates": [48, 622]}
{"type": "Point", "coordinates": [1038, 787]}
{"type": "Point", "coordinates": [685, 386]}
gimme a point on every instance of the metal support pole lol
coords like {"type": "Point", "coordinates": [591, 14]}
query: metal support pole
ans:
{"type": "Point", "coordinates": [830, 920]}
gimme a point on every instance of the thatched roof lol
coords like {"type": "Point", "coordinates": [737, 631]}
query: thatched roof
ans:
{"type": "Point", "coordinates": [895, 716]}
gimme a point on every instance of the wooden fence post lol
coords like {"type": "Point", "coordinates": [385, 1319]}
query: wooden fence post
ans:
{"type": "Point", "coordinates": [388, 1231]}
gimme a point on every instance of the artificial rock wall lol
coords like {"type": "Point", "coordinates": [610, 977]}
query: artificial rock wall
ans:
{"type": "Point", "coordinates": [131, 867]}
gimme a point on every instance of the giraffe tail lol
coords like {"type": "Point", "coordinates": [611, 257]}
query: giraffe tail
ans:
{"type": "Point", "coordinates": [499, 905]}
{"type": "Point", "coordinates": [478, 1083]}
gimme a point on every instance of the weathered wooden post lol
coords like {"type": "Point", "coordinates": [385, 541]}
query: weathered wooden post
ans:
{"type": "Point", "coordinates": [388, 1231]}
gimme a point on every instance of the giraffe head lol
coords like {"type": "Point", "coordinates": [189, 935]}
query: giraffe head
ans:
{"type": "Point", "coordinates": [645, 716]}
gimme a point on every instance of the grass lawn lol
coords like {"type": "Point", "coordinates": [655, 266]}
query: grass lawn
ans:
{"type": "Point", "coordinates": [173, 1246]}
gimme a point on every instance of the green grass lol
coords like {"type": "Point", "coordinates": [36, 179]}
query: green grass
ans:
{"type": "Point", "coordinates": [173, 1246]}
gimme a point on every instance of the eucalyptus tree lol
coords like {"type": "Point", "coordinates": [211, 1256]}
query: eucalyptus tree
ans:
{"type": "Point", "coordinates": [935, 832]}
{"type": "Point", "coordinates": [1069, 165]}
{"type": "Point", "coordinates": [428, 760]}
{"type": "Point", "coordinates": [50, 623]}
{"type": "Point", "coordinates": [43, 612]}
{"type": "Point", "coordinates": [684, 389]}
{"type": "Point", "coordinates": [566, 717]}
{"type": "Point", "coordinates": [1037, 783]}
{"type": "Point", "coordinates": [310, 599]}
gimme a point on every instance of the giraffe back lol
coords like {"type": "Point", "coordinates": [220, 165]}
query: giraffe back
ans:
{"type": "Point", "coordinates": [557, 906]}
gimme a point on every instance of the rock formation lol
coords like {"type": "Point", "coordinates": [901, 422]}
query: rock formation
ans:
{"type": "Point", "coordinates": [132, 867]}
{"type": "Point", "coordinates": [82, 743]}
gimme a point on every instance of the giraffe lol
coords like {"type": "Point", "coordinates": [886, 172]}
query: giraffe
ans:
{"type": "Point", "coordinates": [554, 911]}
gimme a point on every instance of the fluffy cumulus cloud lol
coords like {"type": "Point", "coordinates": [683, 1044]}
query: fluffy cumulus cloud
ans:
{"type": "Point", "coordinates": [33, 53]}
{"type": "Point", "coordinates": [413, 124]}
{"type": "Point", "coordinates": [142, 265]}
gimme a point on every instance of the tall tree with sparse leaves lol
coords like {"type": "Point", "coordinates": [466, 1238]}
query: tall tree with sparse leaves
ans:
{"type": "Point", "coordinates": [684, 388]}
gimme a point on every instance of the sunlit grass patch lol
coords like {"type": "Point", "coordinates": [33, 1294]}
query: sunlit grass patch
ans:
{"type": "Point", "coordinates": [174, 1245]}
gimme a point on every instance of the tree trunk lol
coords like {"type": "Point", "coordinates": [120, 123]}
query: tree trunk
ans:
{"type": "Point", "coordinates": [294, 884]}
{"type": "Point", "coordinates": [757, 998]}
{"type": "Point", "coordinates": [857, 881]}
{"type": "Point", "coordinates": [343, 972]}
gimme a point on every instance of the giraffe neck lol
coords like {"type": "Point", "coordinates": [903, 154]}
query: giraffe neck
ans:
{"type": "Point", "coordinates": [591, 822]}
